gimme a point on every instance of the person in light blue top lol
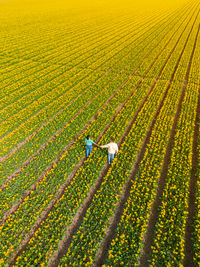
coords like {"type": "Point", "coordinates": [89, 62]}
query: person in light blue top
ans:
{"type": "Point", "coordinates": [89, 144]}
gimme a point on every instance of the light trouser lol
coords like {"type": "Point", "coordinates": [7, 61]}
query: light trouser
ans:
{"type": "Point", "coordinates": [88, 150]}
{"type": "Point", "coordinates": [110, 157]}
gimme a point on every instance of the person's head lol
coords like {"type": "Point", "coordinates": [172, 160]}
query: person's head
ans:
{"type": "Point", "coordinates": [111, 140]}
{"type": "Point", "coordinates": [88, 137]}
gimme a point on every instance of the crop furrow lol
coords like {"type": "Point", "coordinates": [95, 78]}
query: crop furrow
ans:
{"type": "Point", "coordinates": [194, 255]}
{"type": "Point", "coordinates": [190, 225]}
{"type": "Point", "coordinates": [164, 187]}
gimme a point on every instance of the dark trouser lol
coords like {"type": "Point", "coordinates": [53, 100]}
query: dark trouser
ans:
{"type": "Point", "coordinates": [110, 157]}
{"type": "Point", "coordinates": [88, 150]}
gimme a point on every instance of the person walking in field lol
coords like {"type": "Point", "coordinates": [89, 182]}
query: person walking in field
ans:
{"type": "Point", "coordinates": [89, 144]}
{"type": "Point", "coordinates": [112, 150]}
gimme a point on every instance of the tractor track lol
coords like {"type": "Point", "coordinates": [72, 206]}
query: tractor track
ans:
{"type": "Point", "coordinates": [189, 252]}
{"type": "Point", "coordinates": [148, 237]}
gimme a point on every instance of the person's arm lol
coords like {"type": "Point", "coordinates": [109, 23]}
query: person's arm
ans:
{"type": "Point", "coordinates": [95, 143]}
{"type": "Point", "coordinates": [116, 150]}
{"type": "Point", "coordinates": [105, 146]}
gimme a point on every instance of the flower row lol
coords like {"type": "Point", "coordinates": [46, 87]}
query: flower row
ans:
{"type": "Point", "coordinates": [169, 239]}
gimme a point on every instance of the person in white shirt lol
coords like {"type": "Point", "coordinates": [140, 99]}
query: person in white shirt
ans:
{"type": "Point", "coordinates": [112, 150]}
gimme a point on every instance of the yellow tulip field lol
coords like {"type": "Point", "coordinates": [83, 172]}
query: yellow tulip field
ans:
{"type": "Point", "coordinates": [124, 70]}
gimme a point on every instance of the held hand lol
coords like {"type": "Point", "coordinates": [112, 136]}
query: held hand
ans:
{"type": "Point", "coordinates": [97, 145]}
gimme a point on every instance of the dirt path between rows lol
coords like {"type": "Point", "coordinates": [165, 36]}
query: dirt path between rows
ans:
{"type": "Point", "coordinates": [149, 236]}
{"type": "Point", "coordinates": [189, 231]}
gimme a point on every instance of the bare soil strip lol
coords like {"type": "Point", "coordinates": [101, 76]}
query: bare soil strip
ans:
{"type": "Point", "coordinates": [149, 236]}
{"type": "Point", "coordinates": [189, 252]}
{"type": "Point", "coordinates": [81, 212]}
{"type": "Point", "coordinates": [77, 220]}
